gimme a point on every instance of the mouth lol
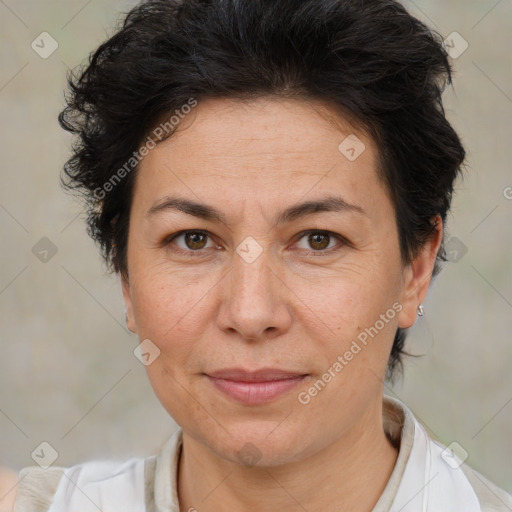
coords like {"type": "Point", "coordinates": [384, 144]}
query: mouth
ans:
{"type": "Point", "coordinates": [256, 387]}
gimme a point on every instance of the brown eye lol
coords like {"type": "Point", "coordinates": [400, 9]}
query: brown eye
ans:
{"type": "Point", "coordinates": [190, 242]}
{"type": "Point", "coordinates": [319, 241]}
{"type": "Point", "coordinates": [195, 241]}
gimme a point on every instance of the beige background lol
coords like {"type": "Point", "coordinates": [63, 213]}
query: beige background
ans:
{"type": "Point", "coordinates": [68, 375]}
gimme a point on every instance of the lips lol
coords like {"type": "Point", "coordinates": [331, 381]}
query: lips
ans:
{"type": "Point", "coordinates": [254, 387]}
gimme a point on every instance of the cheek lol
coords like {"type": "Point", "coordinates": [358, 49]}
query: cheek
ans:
{"type": "Point", "coordinates": [349, 300]}
{"type": "Point", "coordinates": [359, 315]}
{"type": "Point", "coordinates": [362, 322]}
{"type": "Point", "coordinates": [172, 309]}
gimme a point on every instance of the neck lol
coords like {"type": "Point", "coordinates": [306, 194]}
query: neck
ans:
{"type": "Point", "coordinates": [349, 474]}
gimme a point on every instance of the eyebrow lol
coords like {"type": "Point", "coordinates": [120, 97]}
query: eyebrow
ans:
{"type": "Point", "coordinates": [209, 213]}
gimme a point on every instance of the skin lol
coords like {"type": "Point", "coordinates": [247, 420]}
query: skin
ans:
{"type": "Point", "coordinates": [8, 481]}
{"type": "Point", "coordinates": [296, 307]}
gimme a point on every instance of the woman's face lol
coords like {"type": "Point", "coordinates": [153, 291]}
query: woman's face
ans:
{"type": "Point", "coordinates": [273, 290]}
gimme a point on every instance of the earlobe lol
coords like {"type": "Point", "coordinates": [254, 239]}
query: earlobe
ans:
{"type": "Point", "coordinates": [129, 317]}
{"type": "Point", "coordinates": [417, 277]}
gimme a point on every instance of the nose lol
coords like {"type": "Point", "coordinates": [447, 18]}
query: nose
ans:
{"type": "Point", "coordinates": [254, 300]}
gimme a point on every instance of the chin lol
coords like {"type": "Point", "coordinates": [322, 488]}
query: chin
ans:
{"type": "Point", "coordinates": [255, 443]}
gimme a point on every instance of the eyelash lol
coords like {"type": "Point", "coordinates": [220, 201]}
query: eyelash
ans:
{"type": "Point", "coordinates": [200, 252]}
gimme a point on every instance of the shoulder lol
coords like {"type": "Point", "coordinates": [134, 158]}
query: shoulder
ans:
{"type": "Point", "coordinates": [490, 496]}
{"type": "Point", "coordinates": [36, 488]}
{"type": "Point", "coordinates": [133, 485]}
{"type": "Point", "coordinates": [420, 457]}
{"type": "Point", "coordinates": [103, 485]}
{"type": "Point", "coordinates": [8, 488]}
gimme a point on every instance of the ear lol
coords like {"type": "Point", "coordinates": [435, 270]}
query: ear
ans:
{"type": "Point", "coordinates": [127, 296]}
{"type": "Point", "coordinates": [417, 276]}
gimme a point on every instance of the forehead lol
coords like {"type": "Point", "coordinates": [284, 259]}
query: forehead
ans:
{"type": "Point", "coordinates": [279, 126]}
{"type": "Point", "coordinates": [265, 149]}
